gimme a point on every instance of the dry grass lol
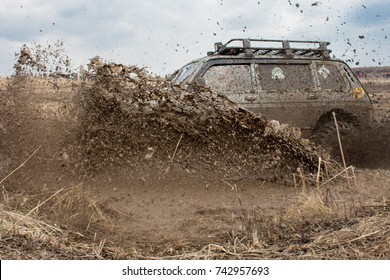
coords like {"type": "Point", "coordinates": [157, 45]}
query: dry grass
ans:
{"type": "Point", "coordinates": [76, 206]}
{"type": "Point", "coordinates": [23, 237]}
{"type": "Point", "coordinates": [46, 224]}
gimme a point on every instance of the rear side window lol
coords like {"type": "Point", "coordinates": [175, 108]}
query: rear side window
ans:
{"type": "Point", "coordinates": [229, 78]}
{"type": "Point", "coordinates": [278, 77]}
{"type": "Point", "coordinates": [330, 77]}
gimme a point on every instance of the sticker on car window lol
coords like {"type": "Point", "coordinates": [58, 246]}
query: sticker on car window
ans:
{"type": "Point", "coordinates": [324, 72]}
{"type": "Point", "coordinates": [277, 74]}
{"type": "Point", "coordinates": [358, 92]}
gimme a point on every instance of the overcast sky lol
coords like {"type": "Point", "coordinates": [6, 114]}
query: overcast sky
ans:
{"type": "Point", "coordinates": [163, 35]}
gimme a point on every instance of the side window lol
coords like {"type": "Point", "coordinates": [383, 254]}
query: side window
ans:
{"type": "Point", "coordinates": [330, 77]}
{"type": "Point", "coordinates": [183, 73]}
{"type": "Point", "coordinates": [278, 77]}
{"type": "Point", "coordinates": [229, 78]}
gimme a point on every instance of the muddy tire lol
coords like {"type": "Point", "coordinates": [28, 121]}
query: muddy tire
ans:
{"type": "Point", "coordinates": [326, 135]}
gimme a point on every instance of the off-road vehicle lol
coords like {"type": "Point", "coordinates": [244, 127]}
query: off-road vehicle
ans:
{"type": "Point", "coordinates": [294, 82]}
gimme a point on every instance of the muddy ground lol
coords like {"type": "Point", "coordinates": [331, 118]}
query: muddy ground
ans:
{"type": "Point", "coordinates": [58, 202]}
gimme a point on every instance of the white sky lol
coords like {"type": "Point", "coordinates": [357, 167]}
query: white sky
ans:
{"type": "Point", "coordinates": [163, 35]}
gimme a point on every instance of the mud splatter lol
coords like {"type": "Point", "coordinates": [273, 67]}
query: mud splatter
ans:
{"type": "Point", "coordinates": [131, 117]}
{"type": "Point", "coordinates": [42, 61]}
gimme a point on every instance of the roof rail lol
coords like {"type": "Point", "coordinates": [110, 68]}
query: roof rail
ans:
{"type": "Point", "coordinates": [246, 47]}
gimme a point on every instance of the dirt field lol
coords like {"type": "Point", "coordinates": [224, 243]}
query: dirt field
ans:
{"type": "Point", "coordinates": [67, 194]}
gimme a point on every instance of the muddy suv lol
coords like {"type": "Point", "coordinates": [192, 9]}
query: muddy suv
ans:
{"type": "Point", "coordinates": [294, 82]}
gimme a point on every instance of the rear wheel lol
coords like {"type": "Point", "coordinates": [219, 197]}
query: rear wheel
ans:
{"type": "Point", "coordinates": [326, 134]}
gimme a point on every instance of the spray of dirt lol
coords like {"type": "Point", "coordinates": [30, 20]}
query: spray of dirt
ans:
{"type": "Point", "coordinates": [134, 119]}
{"type": "Point", "coordinates": [42, 61]}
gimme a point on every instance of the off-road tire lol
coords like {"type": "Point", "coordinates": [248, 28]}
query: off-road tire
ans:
{"type": "Point", "coordinates": [326, 134]}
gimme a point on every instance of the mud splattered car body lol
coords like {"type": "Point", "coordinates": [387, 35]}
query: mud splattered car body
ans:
{"type": "Point", "coordinates": [294, 82]}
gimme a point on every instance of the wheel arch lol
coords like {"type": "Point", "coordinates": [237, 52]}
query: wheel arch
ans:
{"type": "Point", "coordinates": [341, 115]}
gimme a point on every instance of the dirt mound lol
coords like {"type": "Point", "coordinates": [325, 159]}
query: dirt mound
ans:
{"type": "Point", "coordinates": [134, 119]}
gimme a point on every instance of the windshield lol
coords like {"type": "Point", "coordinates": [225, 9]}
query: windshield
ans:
{"type": "Point", "coordinates": [183, 73]}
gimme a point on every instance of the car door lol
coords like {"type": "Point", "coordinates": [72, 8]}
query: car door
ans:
{"type": "Point", "coordinates": [333, 84]}
{"type": "Point", "coordinates": [288, 92]}
{"type": "Point", "coordinates": [232, 80]}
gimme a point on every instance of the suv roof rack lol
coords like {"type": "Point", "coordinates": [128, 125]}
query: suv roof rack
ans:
{"type": "Point", "coordinates": [246, 47]}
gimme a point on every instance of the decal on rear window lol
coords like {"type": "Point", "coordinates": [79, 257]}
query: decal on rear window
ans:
{"type": "Point", "coordinates": [324, 72]}
{"type": "Point", "coordinates": [277, 74]}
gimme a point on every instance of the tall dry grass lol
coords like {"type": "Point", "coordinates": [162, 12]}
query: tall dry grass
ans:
{"type": "Point", "coordinates": [62, 224]}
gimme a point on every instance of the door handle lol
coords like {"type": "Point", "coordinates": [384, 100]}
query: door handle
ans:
{"type": "Point", "coordinates": [250, 98]}
{"type": "Point", "coordinates": [312, 96]}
